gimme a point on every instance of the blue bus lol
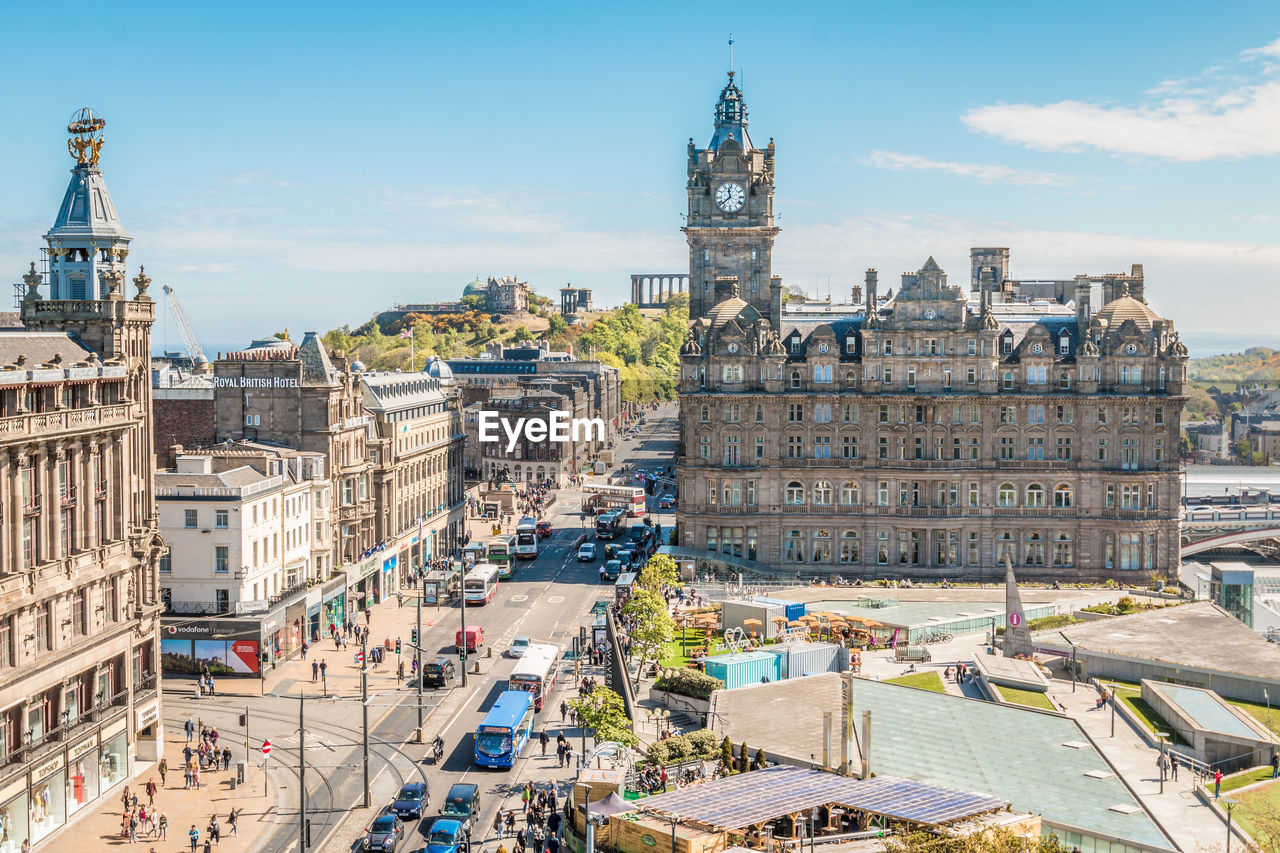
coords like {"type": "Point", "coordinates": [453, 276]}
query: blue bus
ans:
{"type": "Point", "coordinates": [505, 729]}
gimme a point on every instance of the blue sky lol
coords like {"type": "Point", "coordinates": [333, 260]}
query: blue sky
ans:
{"type": "Point", "coordinates": [305, 165]}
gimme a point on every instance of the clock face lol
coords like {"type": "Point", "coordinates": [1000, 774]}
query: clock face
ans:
{"type": "Point", "coordinates": [1037, 349]}
{"type": "Point", "coordinates": [1132, 348]}
{"type": "Point", "coordinates": [733, 348]}
{"type": "Point", "coordinates": [929, 314]}
{"type": "Point", "coordinates": [822, 348]}
{"type": "Point", "coordinates": [730, 197]}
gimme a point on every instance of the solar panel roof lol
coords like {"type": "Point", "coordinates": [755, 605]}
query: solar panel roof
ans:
{"type": "Point", "coordinates": [763, 795]}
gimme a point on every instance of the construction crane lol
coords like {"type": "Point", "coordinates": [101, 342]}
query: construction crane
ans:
{"type": "Point", "coordinates": [194, 350]}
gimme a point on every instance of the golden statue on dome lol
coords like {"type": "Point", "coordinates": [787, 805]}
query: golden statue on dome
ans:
{"type": "Point", "coordinates": [85, 143]}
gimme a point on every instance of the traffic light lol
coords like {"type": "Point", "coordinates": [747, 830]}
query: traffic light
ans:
{"type": "Point", "coordinates": [244, 720]}
{"type": "Point", "coordinates": [397, 645]}
{"type": "Point", "coordinates": [413, 636]}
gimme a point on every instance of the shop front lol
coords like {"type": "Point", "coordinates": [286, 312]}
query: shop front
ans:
{"type": "Point", "coordinates": [388, 578]}
{"type": "Point", "coordinates": [274, 638]}
{"type": "Point", "coordinates": [226, 647]}
{"type": "Point", "coordinates": [61, 785]}
{"type": "Point", "coordinates": [297, 630]}
{"type": "Point", "coordinates": [333, 606]}
{"type": "Point", "coordinates": [362, 584]}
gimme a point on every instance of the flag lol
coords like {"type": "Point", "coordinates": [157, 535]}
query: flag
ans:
{"type": "Point", "coordinates": [406, 333]}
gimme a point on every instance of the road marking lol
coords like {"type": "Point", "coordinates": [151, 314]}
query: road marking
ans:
{"type": "Point", "coordinates": [555, 599]}
{"type": "Point", "coordinates": [520, 597]}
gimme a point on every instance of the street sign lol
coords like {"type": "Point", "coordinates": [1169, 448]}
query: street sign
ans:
{"type": "Point", "coordinates": [1015, 619]}
{"type": "Point", "coordinates": [266, 747]}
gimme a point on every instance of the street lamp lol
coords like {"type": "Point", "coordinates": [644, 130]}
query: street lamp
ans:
{"type": "Point", "coordinates": [1114, 699]}
{"type": "Point", "coordinates": [1229, 805]}
{"type": "Point", "coordinates": [1162, 736]}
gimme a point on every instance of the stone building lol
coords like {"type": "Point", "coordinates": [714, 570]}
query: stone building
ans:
{"type": "Point", "coordinates": [529, 461]}
{"type": "Point", "coordinates": [504, 295]}
{"type": "Point", "coordinates": [926, 435]}
{"type": "Point", "coordinates": [301, 397]}
{"type": "Point", "coordinates": [79, 550]}
{"type": "Point", "coordinates": [575, 300]}
{"type": "Point", "coordinates": [417, 452]}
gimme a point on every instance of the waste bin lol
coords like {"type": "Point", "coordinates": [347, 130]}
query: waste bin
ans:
{"type": "Point", "coordinates": [241, 772]}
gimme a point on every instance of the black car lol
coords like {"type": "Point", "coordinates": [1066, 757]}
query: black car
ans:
{"type": "Point", "coordinates": [384, 834]}
{"type": "Point", "coordinates": [411, 800]}
{"type": "Point", "coordinates": [437, 673]}
{"type": "Point", "coordinates": [462, 803]}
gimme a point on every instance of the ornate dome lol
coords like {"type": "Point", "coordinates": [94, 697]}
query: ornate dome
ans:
{"type": "Point", "coordinates": [438, 369]}
{"type": "Point", "coordinates": [357, 366]}
{"type": "Point", "coordinates": [1115, 312]}
{"type": "Point", "coordinates": [733, 308]}
{"type": "Point", "coordinates": [476, 288]}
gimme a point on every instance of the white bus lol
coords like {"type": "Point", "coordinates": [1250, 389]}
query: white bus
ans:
{"type": "Point", "coordinates": [527, 538]}
{"type": "Point", "coordinates": [629, 499]}
{"type": "Point", "coordinates": [536, 671]}
{"type": "Point", "coordinates": [480, 584]}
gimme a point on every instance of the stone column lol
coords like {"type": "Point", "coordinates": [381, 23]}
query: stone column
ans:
{"type": "Point", "coordinates": [12, 515]}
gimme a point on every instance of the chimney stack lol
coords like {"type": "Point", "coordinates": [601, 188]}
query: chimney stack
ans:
{"type": "Point", "coordinates": [872, 281]}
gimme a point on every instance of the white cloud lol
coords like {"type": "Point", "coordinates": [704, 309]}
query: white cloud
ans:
{"type": "Point", "coordinates": [1228, 111]}
{"type": "Point", "coordinates": [980, 171]}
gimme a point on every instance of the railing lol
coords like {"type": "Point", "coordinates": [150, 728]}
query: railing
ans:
{"type": "Point", "coordinates": [46, 423]}
{"type": "Point", "coordinates": [35, 750]}
{"type": "Point", "coordinates": [196, 608]}
{"type": "Point", "coordinates": [221, 491]}
{"type": "Point", "coordinates": [68, 497]}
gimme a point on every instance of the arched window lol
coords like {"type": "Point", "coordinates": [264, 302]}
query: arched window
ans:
{"type": "Point", "coordinates": [795, 379]}
{"type": "Point", "coordinates": [1006, 495]}
{"type": "Point", "coordinates": [850, 552]}
{"type": "Point", "coordinates": [850, 494]}
{"type": "Point", "coordinates": [851, 379]}
{"type": "Point", "coordinates": [1064, 380]}
{"type": "Point", "coordinates": [705, 413]}
{"type": "Point", "coordinates": [1006, 546]}
{"type": "Point", "coordinates": [1006, 381]}
{"type": "Point", "coordinates": [1035, 549]}
{"type": "Point", "coordinates": [1062, 553]}
{"type": "Point", "coordinates": [1063, 497]}
{"type": "Point", "coordinates": [821, 551]}
{"type": "Point", "coordinates": [795, 494]}
{"type": "Point", "coordinates": [1035, 496]}
{"type": "Point", "coordinates": [822, 493]}
{"type": "Point", "coordinates": [793, 547]}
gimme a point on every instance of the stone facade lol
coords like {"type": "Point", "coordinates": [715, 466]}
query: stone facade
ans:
{"type": "Point", "coordinates": [304, 398]}
{"type": "Point", "coordinates": [181, 416]}
{"type": "Point", "coordinates": [931, 436]}
{"type": "Point", "coordinates": [529, 461]}
{"type": "Point", "coordinates": [417, 460]}
{"type": "Point", "coordinates": [79, 550]}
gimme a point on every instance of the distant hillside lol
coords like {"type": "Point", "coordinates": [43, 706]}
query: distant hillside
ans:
{"type": "Point", "coordinates": [1256, 365]}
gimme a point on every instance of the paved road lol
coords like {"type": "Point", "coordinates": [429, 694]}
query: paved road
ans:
{"type": "Point", "coordinates": [546, 600]}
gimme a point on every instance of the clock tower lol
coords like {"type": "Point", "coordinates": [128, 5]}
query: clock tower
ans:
{"type": "Point", "coordinates": [730, 221]}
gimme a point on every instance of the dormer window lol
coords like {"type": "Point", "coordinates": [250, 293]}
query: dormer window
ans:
{"type": "Point", "coordinates": [1006, 343]}
{"type": "Point", "coordinates": [850, 345]}
{"type": "Point", "coordinates": [1064, 343]}
{"type": "Point", "coordinates": [795, 344]}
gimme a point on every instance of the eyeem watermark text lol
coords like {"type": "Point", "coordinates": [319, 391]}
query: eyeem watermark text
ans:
{"type": "Point", "coordinates": [557, 427]}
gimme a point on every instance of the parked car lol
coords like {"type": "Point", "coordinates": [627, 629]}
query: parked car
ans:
{"type": "Point", "coordinates": [437, 673]}
{"type": "Point", "coordinates": [410, 801]}
{"type": "Point", "coordinates": [462, 803]}
{"type": "Point", "coordinates": [667, 501]}
{"type": "Point", "coordinates": [447, 836]}
{"type": "Point", "coordinates": [587, 552]}
{"type": "Point", "coordinates": [542, 528]}
{"type": "Point", "coordinates": [518, 645]}
{"type": "Point", "coordinates": [385, 833]}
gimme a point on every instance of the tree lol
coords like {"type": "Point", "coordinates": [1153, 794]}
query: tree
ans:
{"type": "Point", "coordinates": [653, 628]}
{"type": "Point", "coordinates": [556, 325]}
{"type": "Point", "coordinates": [602, 711]}
{"type": "Point", "coordinates": [759, 763]}
{"type": "Point", "coordinates": [661, 571]}
{"type": "Point", "coordinates": [522, 334]}
{"type": "Point", "coordinates": [744, 758]}
{"type": "Point", "coordinates": [726, 754]}
{"type": "Point", "coordinates": [473, 302]}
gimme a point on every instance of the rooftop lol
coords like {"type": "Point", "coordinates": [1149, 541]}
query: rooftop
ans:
{"type": "Point", "coordinates": [1199, 635]}
{"type": "Point", "coordinates": [753, 798]}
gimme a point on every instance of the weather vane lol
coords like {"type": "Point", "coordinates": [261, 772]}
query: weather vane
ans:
{"type": "Point", "coordinates": [730, 54]}
{"type": "Point", "coordinates": [85, 143]}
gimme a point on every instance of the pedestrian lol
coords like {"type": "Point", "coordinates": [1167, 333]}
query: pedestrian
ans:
{"type": "Point", "coordinates": [226, 758]}
{"type": "Point", "coordinates": [551, 804]}
{"type": "Point", "coordinates": [315, 671]}
{"type": "Point", "coordinates": [151, 792]}
{"type": "Point", "coordinates": [162, 826]}
{"type": "Point", "coordinates": [1275, 764]}
{"type": "Point", "coordinates": [233, 823]}
{"type": "Point", "coordinates": [568, 755]}
{"type": "Point", "coordinates": [511, 821]}
{"type": "Point", "coordinates": [215, 830]}
{"type": "Point", "coordinates": [497, 824]}
{"type": "Point", "coordinates": [524, 800]}
{"type": "Point", "coordinates": [190, 728]}
{"type": "Point", "coordinates": [163, 768]}
{"type": "Point", "coordinates": [1173, 765]}
{"type": "Point", "coordinates": [125, 797]}
{"type": "Point", "coordinates": [305, 649]}
{"type": "Point", "coordinates": [324, 668]}
{"type": "Point", "coordinates": [543, 740]}
{"type": "Point", "coordinates": [564, 710]}
{"type": "Point", "coordinates": [133, 828]}
{"type": "Point", "coordinates": [1162, 765]}
{"type": "Point", "coordinates": [195, 777]}
{"type": "Point", "coordinates": [194, 836]}
{"type": "Point", "coordinates": [400, 671]}
{"type": "Point", "coordinates": [1217, 783]}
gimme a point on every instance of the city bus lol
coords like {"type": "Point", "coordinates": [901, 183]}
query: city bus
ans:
{"type": "Point", "coordinates": [629, 499]}
{"type": "Point", "coordinates": [501, 549]}
{"type": "Point", "coordinates": [475, 553]}
{"type": "Point", "coordinates": [505, 730]}
{"type": "Point", "coordinates": [480, 584]}
{"type": "Point", "coordinates": [535, 672]}
{"type": "Point", "coordinates": [527, 538]}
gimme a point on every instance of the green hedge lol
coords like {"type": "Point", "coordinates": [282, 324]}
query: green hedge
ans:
{"type": "Point", "coordinates": [688, 682]}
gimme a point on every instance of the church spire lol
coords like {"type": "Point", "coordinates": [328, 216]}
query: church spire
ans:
{"type": "Point", "coordinates": [731, 115]}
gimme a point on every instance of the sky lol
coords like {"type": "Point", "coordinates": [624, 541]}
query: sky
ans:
{"type": "Point", "coordinates": [305, 166]}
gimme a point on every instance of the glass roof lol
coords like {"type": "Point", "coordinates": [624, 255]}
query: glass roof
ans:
{"type": "Point", "coordinates": [1206, 710]}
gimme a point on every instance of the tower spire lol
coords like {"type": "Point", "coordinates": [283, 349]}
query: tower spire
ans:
{"type": "Point", "coordinates": [730, 56]}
